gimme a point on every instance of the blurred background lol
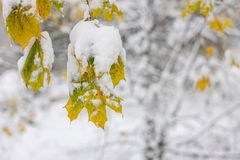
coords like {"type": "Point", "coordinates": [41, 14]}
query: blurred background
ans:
{"type": "Point", "coordinates": [181, 95]}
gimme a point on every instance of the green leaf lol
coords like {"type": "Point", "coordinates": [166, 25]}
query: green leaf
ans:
{"type": "Point", "coordinates": [30, 68]}
{"type": "Point", "coordinates": [89, 95]}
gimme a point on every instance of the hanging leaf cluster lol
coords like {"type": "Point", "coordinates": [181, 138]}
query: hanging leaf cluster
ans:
{"type": "Point", "coordinates": [23, 26]}
{"type": "Point", "coordinates": [88, 94]}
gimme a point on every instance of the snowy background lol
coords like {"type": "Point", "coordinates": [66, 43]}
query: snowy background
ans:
{"type": "Point", "coordinates": [164, 116]}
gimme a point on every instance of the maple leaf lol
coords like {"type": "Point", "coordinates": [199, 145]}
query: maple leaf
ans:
{"type": "Point", "coordinates": [96, 108]}
{"type": "Point", "coordinates": [117, 72]}
{"type": "Point", "coordinates": [89, 95]}
{"type": "Point", "coordinates": [22, 26]}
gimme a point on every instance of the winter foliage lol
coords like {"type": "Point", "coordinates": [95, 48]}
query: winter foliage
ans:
{"type": "Point", "coordinates": [96, 56]}
{"type": "Point", "coordinates": [180, 100]}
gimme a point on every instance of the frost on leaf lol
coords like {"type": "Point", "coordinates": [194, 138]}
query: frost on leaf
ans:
{"type": "Point", "coordinates": [95, 67]}
{"type": "Point", "coordinates": [36, 64]}
{"type": "Point", "coordinates": [22, 25]}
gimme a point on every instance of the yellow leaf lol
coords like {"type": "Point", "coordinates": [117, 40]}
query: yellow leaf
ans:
{"type": "Point", "coordinates": [221, 24]}
{"type": "Point", "coordinates": [190, 7]}
{"type": "Point", "coordinates": [210, 51]}
{"type": "Point", "coordinates": [117, 72]}
{"type": "Point", "coordinates": [115, 103]}
{"type": "Point", "coordinates": [44, 8]}
{"type": "Point", "coordinates": [206, 8]}
{"type": "Point", "coordinates": [73, 108]}
{"type": "Point", "coordinates": [7, 131]}
{"type": "Point", "coordinates": [203, 83]}
{"type": "Point", "coordinates": [96, 12]}
{"type": "Point", "coordinates": [22, 26]}
{"type": "Point", "coordinates": [107, 15]}
{"type": "Point", "coordinates": [97, 114]}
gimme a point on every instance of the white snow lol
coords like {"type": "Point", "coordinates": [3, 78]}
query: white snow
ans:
{"type": "Point", "coordinates": [92, 39]}
{"type": "Point", "coordinates": [101, 42]}
{"type": "Point", "coordinates": [48, 51]}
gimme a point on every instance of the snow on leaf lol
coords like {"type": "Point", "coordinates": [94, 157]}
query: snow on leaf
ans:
{"type": "Point", "coordinates": [96, 107]}
{"type": "Point", "coordinates": [22, 26]}
{"type": "Point", "coordinates": [90, 96]}
{"type": "Point", "coordinates": [44, 8]}
{"type": "Point", "coordinates": [117, 72]}
{"type": "Point", "coordinates": [90, 61]}
{"type": "Point", "coordinates": [36, 64]}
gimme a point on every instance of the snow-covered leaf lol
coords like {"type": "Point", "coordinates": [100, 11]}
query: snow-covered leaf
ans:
{"type": "Point", "coordinates": [36, 64]}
